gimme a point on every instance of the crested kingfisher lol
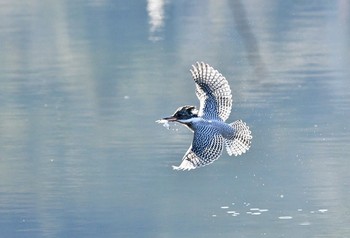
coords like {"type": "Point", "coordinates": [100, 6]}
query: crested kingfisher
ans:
{"type": "Point", "coordinates": [211, 133]}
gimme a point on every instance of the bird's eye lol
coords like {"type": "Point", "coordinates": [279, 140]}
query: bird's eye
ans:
{"type": "Point", "coordinates": [180, 113]}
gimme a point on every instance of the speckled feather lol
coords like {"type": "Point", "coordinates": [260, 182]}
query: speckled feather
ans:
{"type": "Point", "coordinates": [241, 140]}
{"type": "Point", "coordinates": [207, 146]}
{"type": "Point", "coordinates": [213, 92]}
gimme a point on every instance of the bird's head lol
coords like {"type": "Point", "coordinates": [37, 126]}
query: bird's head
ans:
{"type": "Point", "coordinates": [183, 114]}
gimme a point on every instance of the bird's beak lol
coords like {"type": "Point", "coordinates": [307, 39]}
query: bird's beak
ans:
{"type": "Point", "coordinates": [171, 118]}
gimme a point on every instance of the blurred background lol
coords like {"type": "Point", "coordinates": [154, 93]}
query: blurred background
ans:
{"type": "Point", "coordinates": [82, 83]}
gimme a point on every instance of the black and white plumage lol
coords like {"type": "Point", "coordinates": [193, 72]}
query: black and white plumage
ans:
{"type": "Point", "coordinates": [211, 133]}
{"type": "Point", "coordinates": [213, 92]}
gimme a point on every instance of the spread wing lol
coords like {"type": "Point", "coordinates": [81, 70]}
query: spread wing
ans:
{"type": "Point", "coordinates": [213, 92]}
{"type": "Point", "coordinates": [206, 147]}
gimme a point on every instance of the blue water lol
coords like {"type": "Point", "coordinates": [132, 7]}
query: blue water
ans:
{"type": "Point", "coordinates": [83, 82]}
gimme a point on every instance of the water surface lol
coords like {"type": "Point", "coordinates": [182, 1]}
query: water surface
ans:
{"type": "Point", "coordinates": [84, 81]}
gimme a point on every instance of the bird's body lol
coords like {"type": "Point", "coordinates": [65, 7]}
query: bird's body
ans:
{"type": "Point", "coordinates": [211, 133]}
{"type": "Point", "coordinates": [223, 128]}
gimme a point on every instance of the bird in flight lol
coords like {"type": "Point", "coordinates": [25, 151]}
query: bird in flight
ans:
{"type": "Point", "coordinates": [211, 133]}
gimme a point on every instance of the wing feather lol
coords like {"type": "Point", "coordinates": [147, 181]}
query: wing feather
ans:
{"type": "Point", "coordinates": [206, 147]}
{"type": "Point", "coordinates": [213, 92]}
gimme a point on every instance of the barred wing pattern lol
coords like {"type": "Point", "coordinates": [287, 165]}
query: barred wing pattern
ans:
{"type": "Point", "coordinates": [241, 140]}
{"type": "Point", "coordinates": [213, 92]}
{"type": "Point", "coordinates": [206, 147]}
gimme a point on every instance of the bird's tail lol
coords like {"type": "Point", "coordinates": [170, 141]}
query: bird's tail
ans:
{"type": "Point", "coordinates": [240, 143]}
